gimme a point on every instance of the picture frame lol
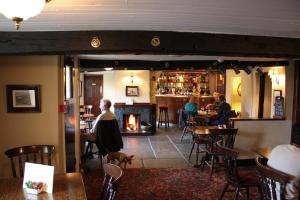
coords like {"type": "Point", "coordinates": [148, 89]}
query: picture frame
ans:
{"type": "Point", "coordinates": [132, 91]}
{"type": "Point", "coordinates": [277, 93]}
{"type": "Point", "coordinates": [23, 98]}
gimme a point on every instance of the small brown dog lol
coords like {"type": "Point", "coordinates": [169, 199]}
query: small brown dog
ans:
{"type": "Point", "coordinates": [122, 159]}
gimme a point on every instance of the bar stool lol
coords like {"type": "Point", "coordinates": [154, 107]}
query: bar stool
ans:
{"type": "Point", "coordinates": [163, 112]}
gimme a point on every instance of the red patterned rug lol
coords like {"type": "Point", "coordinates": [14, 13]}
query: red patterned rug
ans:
{"type": "Point", "coordinates": [166, 184]}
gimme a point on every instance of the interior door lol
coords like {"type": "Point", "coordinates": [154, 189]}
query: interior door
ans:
{"type": "Point", "coordinates": [93, 91]}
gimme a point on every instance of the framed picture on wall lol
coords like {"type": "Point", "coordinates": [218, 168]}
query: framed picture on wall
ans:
{"type": "Point", "coordinates": [132, 91]}
{"type": "Point", "coordinates": [23, 98]}
{"type": "Point", "coordinates": [277, 93]}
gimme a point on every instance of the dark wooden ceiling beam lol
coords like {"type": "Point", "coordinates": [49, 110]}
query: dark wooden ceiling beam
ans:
{"type": "Point", "coordinates": [139, 42]}
{"type": "Point", "coordinates": [90, 65]}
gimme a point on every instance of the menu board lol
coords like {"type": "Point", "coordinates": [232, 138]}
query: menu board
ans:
{"type": "Point", "coordinates": [279, 107]}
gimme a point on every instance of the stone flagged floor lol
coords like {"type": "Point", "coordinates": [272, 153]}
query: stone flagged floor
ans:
{"type": "Point", "coordinates": [162, 150]}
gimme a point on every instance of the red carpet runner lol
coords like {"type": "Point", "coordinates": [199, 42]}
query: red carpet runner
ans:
{"type": "Point", "coordinates": [163, 184]}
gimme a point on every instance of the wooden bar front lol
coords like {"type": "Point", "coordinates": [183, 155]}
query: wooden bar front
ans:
{"type": "Point", "coordinates": [176, 102]}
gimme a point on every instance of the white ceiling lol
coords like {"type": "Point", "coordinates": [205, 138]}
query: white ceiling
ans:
{"type": "Point", "coordinates": [249, 17]}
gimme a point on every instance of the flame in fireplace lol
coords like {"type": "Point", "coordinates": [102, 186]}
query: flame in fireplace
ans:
{"type": "Point", "coordinates": [132, 122]}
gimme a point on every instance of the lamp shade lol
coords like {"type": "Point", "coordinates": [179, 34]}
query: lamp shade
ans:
{"type": "Point", "coordinates": [22, 9]}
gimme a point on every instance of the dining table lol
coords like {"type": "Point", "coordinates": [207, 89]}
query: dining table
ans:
{"type": "Point", "coordinates": [65, 186]}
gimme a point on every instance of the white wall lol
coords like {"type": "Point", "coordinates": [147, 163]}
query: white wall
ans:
{"type": "Point", "coordinates": [20, 129]}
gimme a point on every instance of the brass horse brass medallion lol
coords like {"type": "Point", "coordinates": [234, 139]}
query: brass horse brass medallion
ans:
{"type": "Point", "coordinates": [155, 41]}
{"type": "Point", "coordinates": [95, 42]}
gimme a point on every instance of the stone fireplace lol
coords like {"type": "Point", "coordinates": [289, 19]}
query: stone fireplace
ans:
{"type": "Point", "coordinates": [132, 118]}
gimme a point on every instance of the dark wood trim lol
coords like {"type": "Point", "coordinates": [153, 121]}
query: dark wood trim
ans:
{"type": "Point", "coordinates": [139, 42]}
{"type": "Point", "coordinates": [261, 96]}
{"type": "Point", "coordinates": [91, 65]}
{"type": "Point", "coordinates": [122, 105]}
{"type": "Point", "coordinates": [295, 138]}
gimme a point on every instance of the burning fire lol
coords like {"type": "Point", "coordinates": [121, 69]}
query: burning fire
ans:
{"type": "Point", "coordinates": [131, 123]}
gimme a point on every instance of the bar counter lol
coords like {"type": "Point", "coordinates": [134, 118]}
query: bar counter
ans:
{"type": "Point", "coordinates": [175, 102]}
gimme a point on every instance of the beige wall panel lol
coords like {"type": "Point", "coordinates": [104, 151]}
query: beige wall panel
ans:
{"type": "Point", "coordinates": [18, 129]}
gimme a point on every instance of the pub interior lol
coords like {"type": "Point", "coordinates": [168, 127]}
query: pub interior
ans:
{"type": "Point", "coordinates": [149, 77]}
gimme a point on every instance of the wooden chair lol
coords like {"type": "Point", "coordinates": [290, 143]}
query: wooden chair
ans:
{"type": "Point", "coordinates": [237, 178]}
{"type": "Point", "coordinates": [227, 138]}
{"type": "Point", "coordinates": [112, 177]}
{"type": "Point", "coordinates": [269, 178]}
{"type": "Point", "coordinates": [36, 153]}
{"type": "Point", "coordinates": [189, 120]}
{"type": "Point", "coordinates": [197, 141]}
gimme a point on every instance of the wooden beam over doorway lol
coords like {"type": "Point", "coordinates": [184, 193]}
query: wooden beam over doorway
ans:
{"type": "Point", "coordinates": [146, 42]}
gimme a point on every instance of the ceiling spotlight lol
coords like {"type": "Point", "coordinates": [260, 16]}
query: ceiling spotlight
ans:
{"type": "Point", "coordinates": [260, 71]}
{"type": "Point", "coordinates": [236, 69]}
{"type": "Point", "coordinates": [215, 63]}
{"type": "Point", "coordinates": [108, 68]}
{"type": "Point", "coordinates": [248, 69]}
{"type": "Point", "coordinates": [221, 69]}
{"type": "Point", "coordinates": [167, 64]}
{"type": "Point", "coordinates": [209, 69]}
{"type": "Point", "coordinates": [220, 59]}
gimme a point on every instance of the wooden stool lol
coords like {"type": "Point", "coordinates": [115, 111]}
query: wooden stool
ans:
{"type": "Point", "coordinates": [163, 111]}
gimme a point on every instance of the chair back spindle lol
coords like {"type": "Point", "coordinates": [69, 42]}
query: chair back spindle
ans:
{"type": "Point", "coordinates": [29, 154]}
{"type": "Point", "coordinates": [113, 174]}
{"type": "Point", "coordinates": [273, 182]}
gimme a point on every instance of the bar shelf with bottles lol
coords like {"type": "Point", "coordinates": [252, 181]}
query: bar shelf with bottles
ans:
{"type": "Point", "coordinates": [174, 88]}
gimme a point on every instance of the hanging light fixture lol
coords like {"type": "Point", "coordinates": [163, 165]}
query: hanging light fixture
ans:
{"type": "Point", "coordinates": [20, 10]}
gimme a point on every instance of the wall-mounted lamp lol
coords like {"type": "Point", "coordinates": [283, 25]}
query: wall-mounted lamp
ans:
{"type": "Point", "coordinates": [274, 75]}
{"type": "Point", "coordinates": [131, 75]}
{"type": "Point", "coordinates": [18, 11]}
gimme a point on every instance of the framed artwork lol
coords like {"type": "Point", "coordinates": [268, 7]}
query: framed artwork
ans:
{"type": "Point", "coordinates": [132, 91]}
{"type": "Point", "coordinates": [23, 98]}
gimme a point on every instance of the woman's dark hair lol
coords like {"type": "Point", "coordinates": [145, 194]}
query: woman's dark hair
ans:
{"type": "Point", "coordinates": [222, 97]}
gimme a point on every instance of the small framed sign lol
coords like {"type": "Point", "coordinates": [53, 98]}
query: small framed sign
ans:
{"type": "Point", "coordinates": [38, 178]}
{"type": "Point", "coordinates": [132, 91]}
{"type": "Point", "coordinates": [23, 98]}
{"type": "Point", "coordinates": [277, 93]}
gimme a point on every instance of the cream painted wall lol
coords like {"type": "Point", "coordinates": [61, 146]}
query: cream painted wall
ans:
{"type": "Point", "coordinates": [18, 129]}
{"type": "Point", "coordinates": [262, 133]}
{"type": "Point", "coordinates": [247, 105]}
{"type": "Point", "coordinates": [141, 79]}
{"type": "Point", "coordinates": [115, 82]}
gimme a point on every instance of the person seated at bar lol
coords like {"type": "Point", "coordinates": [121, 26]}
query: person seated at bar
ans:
{"type": "Point", "coordinates": [191, 107]}
{"type": "Point", "coordinates": [286, 158]}
{"type": "Point", "coordinates": [223, 111]}
{"type": "Point", "coordinates": [105, 132]}
{"type": "Point", "coordinates": [216, 104]}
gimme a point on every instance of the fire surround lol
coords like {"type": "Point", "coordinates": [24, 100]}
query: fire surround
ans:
{"type": "Point", "coordinates": [146, 113]}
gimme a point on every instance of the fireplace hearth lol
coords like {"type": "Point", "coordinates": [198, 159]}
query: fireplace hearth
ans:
{"type": "Point", "coordinates": [131, 122]}
{"type": "Point", "coordinates": [131, 117]}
